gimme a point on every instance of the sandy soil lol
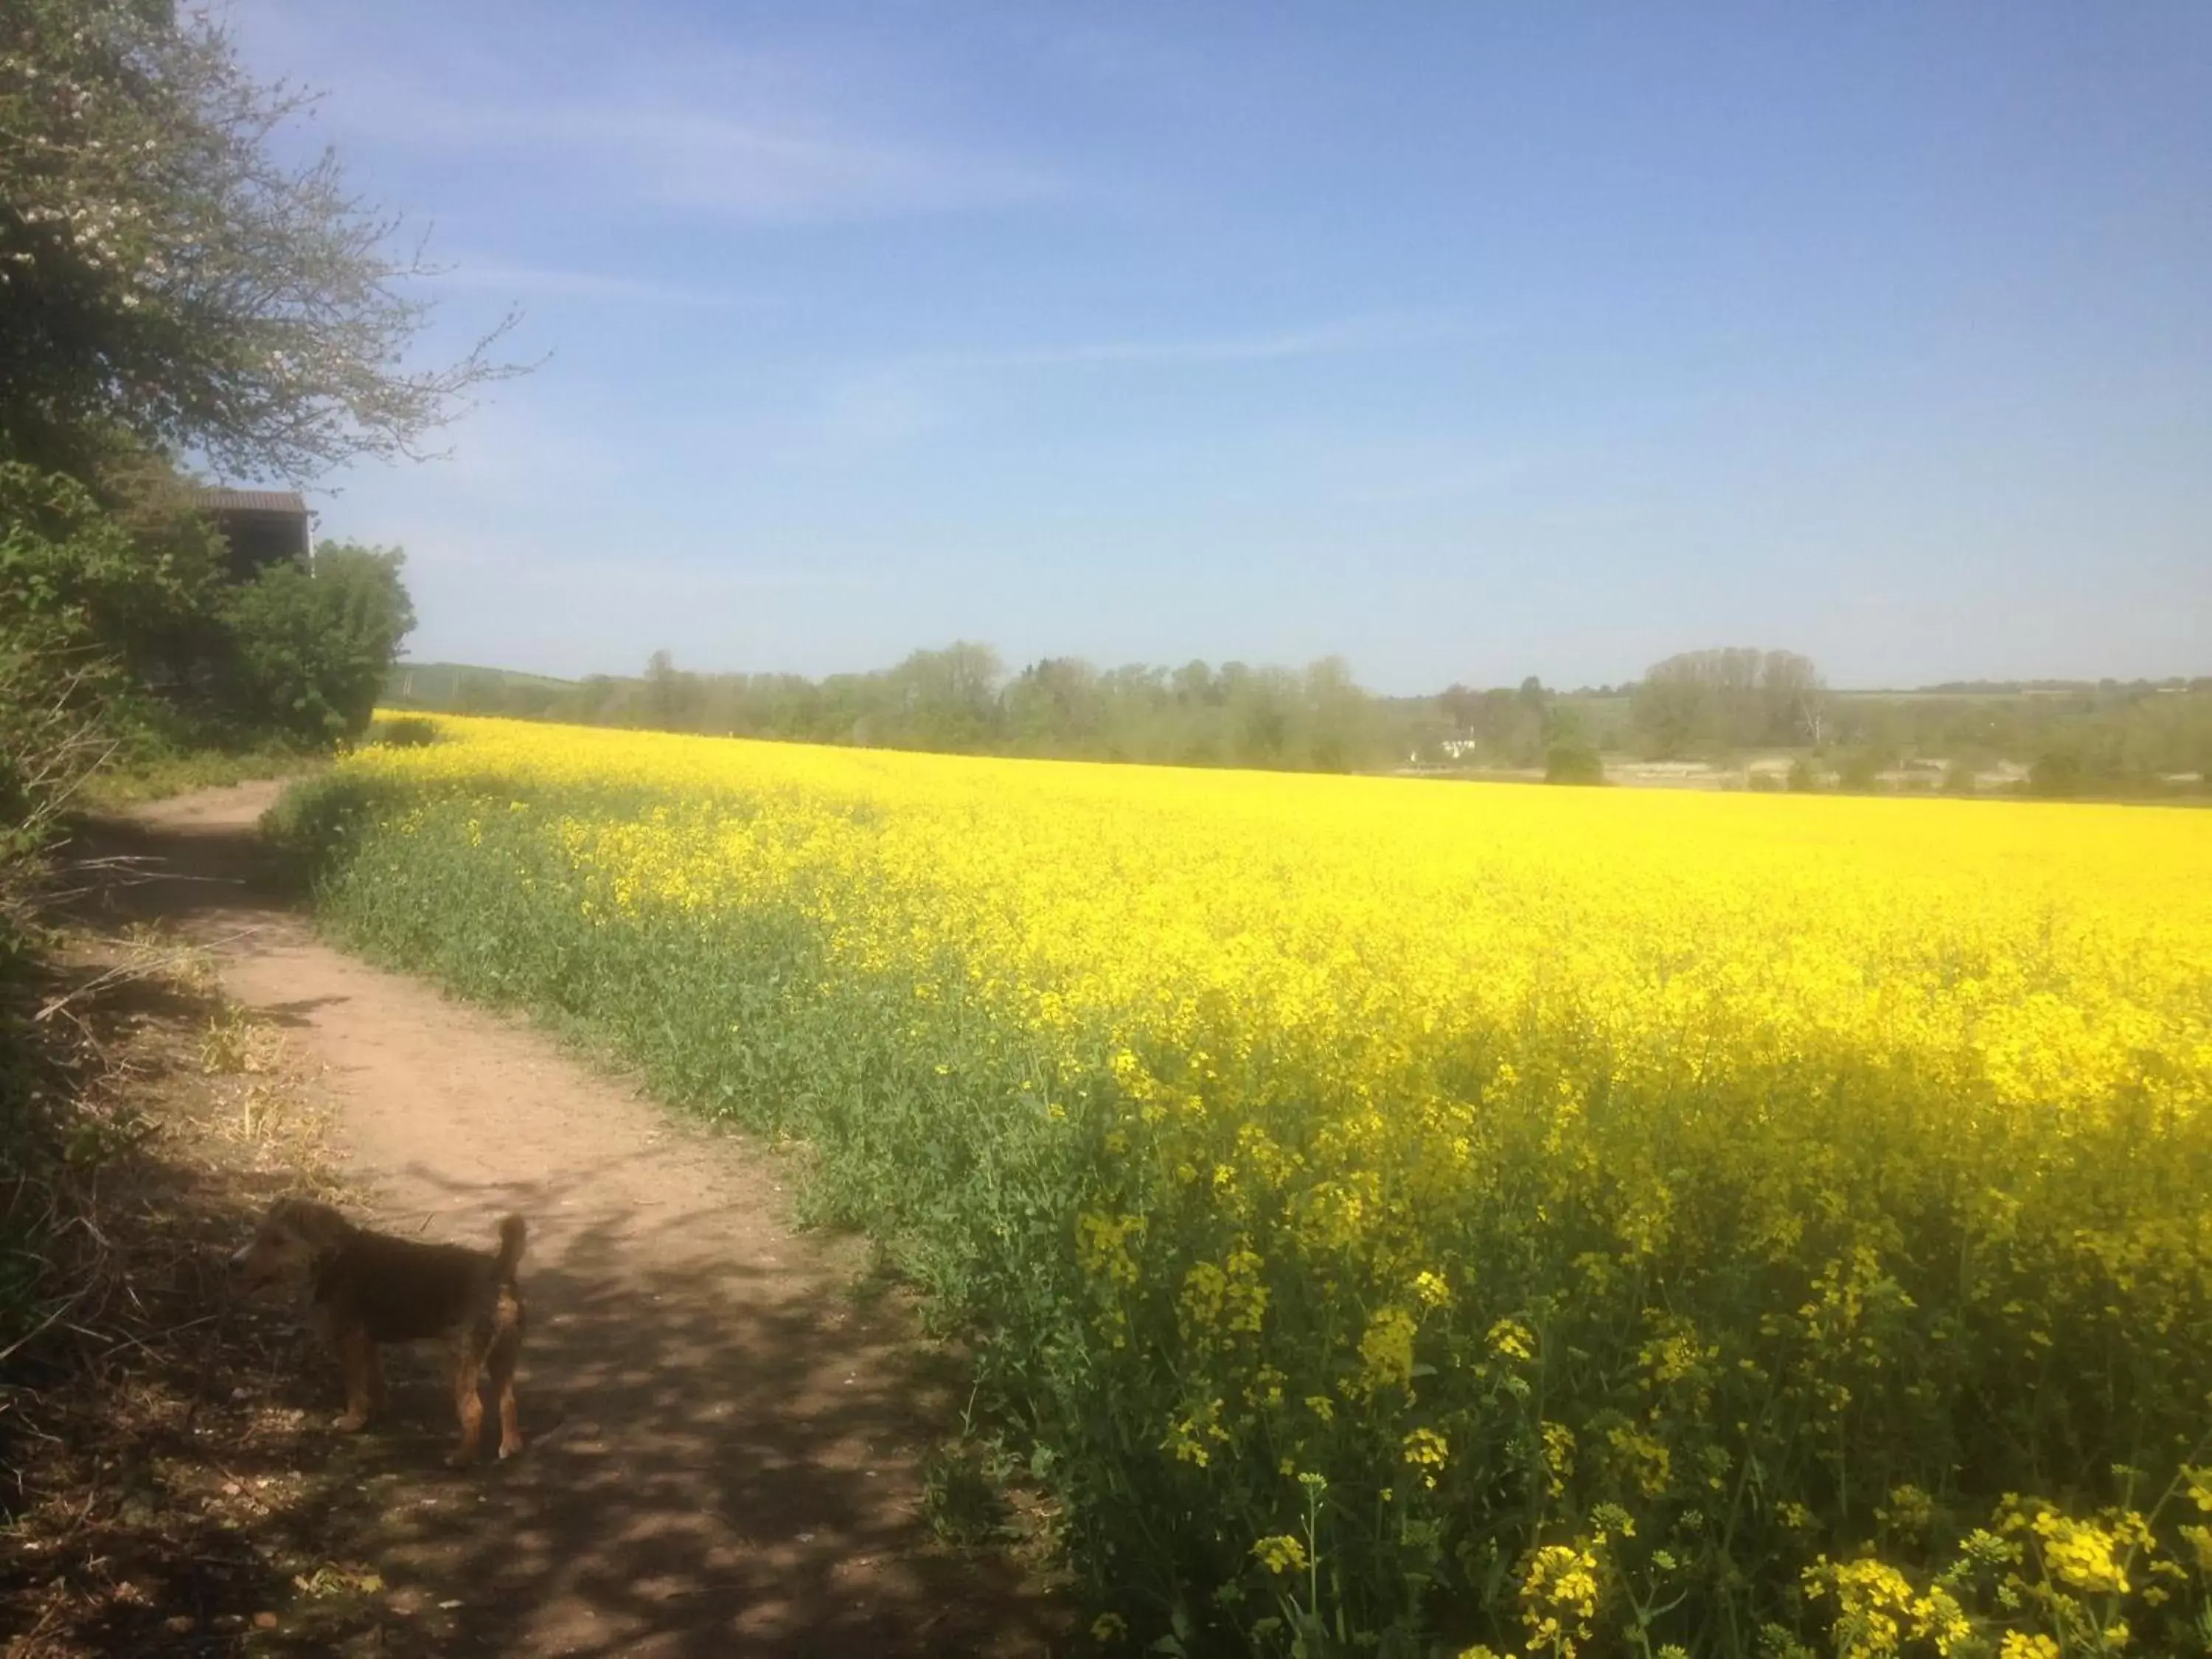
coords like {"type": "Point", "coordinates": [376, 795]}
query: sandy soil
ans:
{"type": "Point", "coordinates": [727, 1440]}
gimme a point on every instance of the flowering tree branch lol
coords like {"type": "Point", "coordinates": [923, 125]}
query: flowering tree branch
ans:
{"type": "Point", "coordinates": [164, 270]}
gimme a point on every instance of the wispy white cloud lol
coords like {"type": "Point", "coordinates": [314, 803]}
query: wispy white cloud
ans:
{"type": "Point", "coordinates": [1430, 472]}
{"type": "Point", "coordinates": [1337, 337]}
{"type": "Point", "coordinates": [497, 277]}
{"type": "Point", "coordinates": [849, 419]}
{"type": "Point", "coordinates": [893, 405]}
{"type": "Point", "coordinates": [512, 454]}
{"type": "Point", "coordinates": [624, 108]}
{"type": "Point", "coordinates": [647, 572]}
{"type": "Point", "coordinates": [877, 409]}
{"type": "Point", "coordinates": [628, 106]}
{"type": "Point", "coordinates": [1389, 469]}
{"type": "Point", "coordinates": [813, 163]}
{"type": "Point", "coordinates": [707, 162]}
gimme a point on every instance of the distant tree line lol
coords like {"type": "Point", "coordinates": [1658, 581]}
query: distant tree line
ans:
{"type": "Point", "coordinates": [1526, 728]}
{"type": "Point", "coordinates": [1730, 699]}
{"type": "Point", "coordinates": [2111, 738]}
{"type": "Point", "coordinates": [1714, 706]}
{"type": "Point", "coordinates": [960, 699]}
{"type": "Point", "coordinates": [2108, 738]}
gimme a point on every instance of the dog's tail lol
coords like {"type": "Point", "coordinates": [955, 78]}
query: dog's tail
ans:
{"type": "Point", "coordinates": [512, 1235]}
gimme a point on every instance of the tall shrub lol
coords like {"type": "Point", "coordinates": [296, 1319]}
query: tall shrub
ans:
{"type": "Point", "coordinates": [314, 644]}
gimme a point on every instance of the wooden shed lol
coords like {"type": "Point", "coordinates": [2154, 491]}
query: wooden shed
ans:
{"type": "Point", "coordinates": [260, 526]}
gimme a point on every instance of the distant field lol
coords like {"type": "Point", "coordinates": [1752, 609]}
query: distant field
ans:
{"type": "Point", "coordinates": [2020, 695]}
{"type": "Point", "coordinates": [437, 684]}
{"type": "Point", "coordinates": [1391, 1206]}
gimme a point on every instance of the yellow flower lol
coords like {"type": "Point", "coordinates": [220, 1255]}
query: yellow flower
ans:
{"type": "Point", "coordinates": [2197, 1484]}
{"type": "Point", "coordinates": [1193, 1437]}
{"type": "Point", "coordinates": [1510, 1339]}
{"type": "Point", "coordinates": [1387, 1350]}
{"type": "Point", "coordinates": [1281, 1553]}
{"type": "Point", "coordinates": [1878, 1612]}
{"type": "Point", "coordinates": [1103, 1242]}
{"type": "Point", "coordinates": [1650, 1465]}
{"type": "Point", "coordinates": [2081, 1554]}
{"type": "Point", "coordinates": [1427, 1451]}
{"type": "Point", "coordinates": [1558, 1597]}
{"type": "Point", "coordinates": [1909, 1510]}
{"type": "Point", "coordinates": [1873, 1605]}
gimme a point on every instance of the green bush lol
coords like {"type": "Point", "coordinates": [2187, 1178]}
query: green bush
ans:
{"type": "Point", "coordinates": [116, 609]}
{"type": "Point", "coordinates": [1571, 760]}
{"type": "Point", "coordinates": [314, 644]}
{"type": "Point", "coordinates": [1860, 772]}
{"type": "Point", "coordinates": [109, 606]}
{"type": "Point", "coordinates": [404, 732]}
{"type": "Point", "coordinates": [2056, 775]}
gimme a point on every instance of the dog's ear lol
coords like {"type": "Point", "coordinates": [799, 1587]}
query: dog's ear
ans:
{"type": "Point", "coordinates": [316, 1226]}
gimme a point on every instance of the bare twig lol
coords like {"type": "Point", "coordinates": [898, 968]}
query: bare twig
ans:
{"type": "Point", "coordinates": [125, 973]}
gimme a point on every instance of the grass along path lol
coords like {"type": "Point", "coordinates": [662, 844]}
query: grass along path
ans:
{"type": "Point", "coordinates": [728, 1445]}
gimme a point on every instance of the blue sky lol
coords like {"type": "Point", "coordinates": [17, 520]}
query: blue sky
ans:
{"type": "Point", "coordinates": [1466, 341]}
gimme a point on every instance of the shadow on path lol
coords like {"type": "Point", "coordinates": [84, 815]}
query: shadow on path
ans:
{"type": "Point", "coordinates": [726, 1445]}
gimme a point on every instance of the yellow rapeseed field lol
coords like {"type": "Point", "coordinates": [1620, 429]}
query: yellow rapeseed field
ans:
{"type": "Point", "coordinates": [1569, 1220]}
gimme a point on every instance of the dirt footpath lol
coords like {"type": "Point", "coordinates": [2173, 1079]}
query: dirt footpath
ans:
{"type": "Point", "coordinates": [726, 1440]}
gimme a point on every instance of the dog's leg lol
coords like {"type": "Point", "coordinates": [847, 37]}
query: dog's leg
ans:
{"type": "Point", "coordinates": [468, 1364]}
{"type": "Point", "coordinates": [506, 1351]}
{"type": "Point", "coordinates": [363, 1383]}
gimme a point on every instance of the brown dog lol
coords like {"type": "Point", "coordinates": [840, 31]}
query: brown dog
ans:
{"type": "Point", "coordinates": [368, 1288]}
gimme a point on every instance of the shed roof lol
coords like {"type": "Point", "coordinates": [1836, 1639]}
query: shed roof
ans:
{"type": "Point", "coordinates": [249, 500]}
